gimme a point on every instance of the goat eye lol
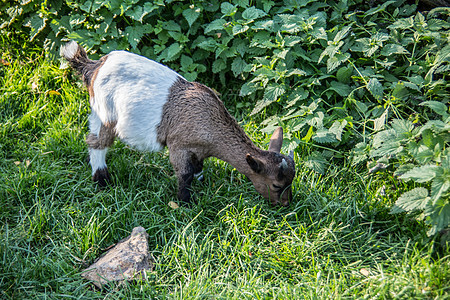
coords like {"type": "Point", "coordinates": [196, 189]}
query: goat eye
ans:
{"type": "Point", "coordinates": [276, 187]}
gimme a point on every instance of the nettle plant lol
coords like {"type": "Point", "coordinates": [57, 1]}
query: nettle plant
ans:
{"type": "Point", "coordinates": [334, 74]}
{"type": "Point", "coordinates": [419, 153]}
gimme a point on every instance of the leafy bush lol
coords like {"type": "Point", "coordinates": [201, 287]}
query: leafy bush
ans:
{"type": "Point", "coordinates": [422, 155]}
{"type": "Point", "coordinates": [332, 73]}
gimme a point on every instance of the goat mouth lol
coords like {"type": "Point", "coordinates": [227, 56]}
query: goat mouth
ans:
{"type": "Point", "coordinates": [285, 203]}
{"type": "Point", "coordinates": [276, 202]}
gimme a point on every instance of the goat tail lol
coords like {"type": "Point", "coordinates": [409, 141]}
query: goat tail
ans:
{"type": "Point", "coordinates": [78, 60]}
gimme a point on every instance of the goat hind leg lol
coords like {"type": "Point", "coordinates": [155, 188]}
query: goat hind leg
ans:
{"type": "Point", "coordinates": [100, 138]}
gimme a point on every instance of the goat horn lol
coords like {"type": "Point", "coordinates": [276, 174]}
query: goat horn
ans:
{"type": "Point", "coordinates": [283, 164]}
{"type": "Point", "coordinates": [291, 154]}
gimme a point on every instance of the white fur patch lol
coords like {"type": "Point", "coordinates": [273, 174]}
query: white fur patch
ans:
{"type": "Point", "coordinates": [131, 90]}
{"type": "Point", "coordinates": [69, 50]}
{"type": "Point", "coordinates": [97, 159]}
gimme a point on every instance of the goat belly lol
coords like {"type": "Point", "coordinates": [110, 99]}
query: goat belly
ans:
{"type": "Point", "coordinates": [130, 91]}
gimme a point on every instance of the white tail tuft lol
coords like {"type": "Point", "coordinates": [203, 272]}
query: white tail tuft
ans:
{"type": "Point", "coordinates": [69, 50]}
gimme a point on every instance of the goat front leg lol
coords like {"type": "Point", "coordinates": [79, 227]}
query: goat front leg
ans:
{"type": "Point", "coordinates": [101, 137]}
{"type": "Point", "coordinates": [198, 168]}
{"type": "Point", "coordinates": [182, 162]}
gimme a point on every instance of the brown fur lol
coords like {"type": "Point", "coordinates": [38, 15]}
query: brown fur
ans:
{"type": "Point", "coordinates": [93, 74]}
{"type": "Point", "coordinates": [105, 137]}
{"type": "Point", "coordinates": [87, 68]}
{"type": "Point", "coordinates": [195, 125]}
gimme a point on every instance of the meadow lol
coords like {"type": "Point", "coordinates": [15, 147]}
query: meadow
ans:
{"type": "Point", "coordinates": [338, 238]}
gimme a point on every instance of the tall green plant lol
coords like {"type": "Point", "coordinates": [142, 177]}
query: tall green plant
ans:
{"type": "Point", "coordinates": [420, 154]}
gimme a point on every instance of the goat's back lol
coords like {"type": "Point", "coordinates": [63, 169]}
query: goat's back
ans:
{"type": "Point", "coordinates": [194, 118]}
{"type": "Point", "coordinates": [131, 90]}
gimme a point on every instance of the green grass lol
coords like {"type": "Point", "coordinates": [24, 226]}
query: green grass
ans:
{"type": "Point", "coordinates": [336, 240]}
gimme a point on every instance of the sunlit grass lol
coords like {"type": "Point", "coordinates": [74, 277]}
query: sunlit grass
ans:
{"type": "Point", "coordinates": [335, 240]}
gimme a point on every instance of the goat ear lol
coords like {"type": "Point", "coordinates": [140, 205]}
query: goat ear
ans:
{"type": "Point", "coordinates": [276, 141]}
{"type": "Point", "coordinates": [254, 163]}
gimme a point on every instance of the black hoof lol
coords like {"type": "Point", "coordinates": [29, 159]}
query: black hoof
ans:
{"type": "Point", "coordinates": [199, 176]}
{"type": "Point", "coordinates": [102, 177]}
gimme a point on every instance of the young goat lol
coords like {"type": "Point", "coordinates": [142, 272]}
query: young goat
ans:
{"type": "Point", "coordinates": [149, 106]}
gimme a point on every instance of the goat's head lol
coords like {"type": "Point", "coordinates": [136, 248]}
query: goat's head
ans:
{"type": "Point", "coordinates": [273, 172]}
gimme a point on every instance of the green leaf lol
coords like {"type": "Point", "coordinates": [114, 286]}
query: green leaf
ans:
{"type": "Point", "coordinates": [400, 92]}
{"type": "Point", "coordinates": [85, 37]}
{"type": "Point", "coordinates": [412, 200]}
{"type": "Point", "coordinates": [241, 3]}
{"type": "Point", "coordinates": [316, 162]}
{"type": "Point", "coordinates": [134, 35]}
{"type": "Point", "coordinates": [248, 88]}
{"type": "Point", "coordinates": [178, 36]}
{"type": "Point", "coordinates": [439, 217]}
{"type": "Point", "coordinates": [209, 45]}
{"type": "Point", "coordinates": [289, 22]}
{"type": "Point", "coordinates": [337, 128]}
{"type": "Point", "coordinates": [388, 148]}
{"type": "Point", "coordinates": [379, 8]}
{"type": "Point", "coordinates": [171, 26]}
{"type": "Point", "coordinates": [253, 13]}
{"type": "Point", "coordinates": [148, 8]}
{"type": "Point", "coordinates": [316, 119]}
{"type": "Point", "coordinates": [308, 135]}
{"type": "Point", "coordinates": [37, 24]}
{"type": "Point", "coordinates": [324, 136]}
{"type": "Point", "coordinates": [191, 15]}
{"type": "Point", "coordinates": [238, 66]}
{"type": "Point", "coordinates": [378, 123]}
{"type": "Point", "coordinates": [228, 9]}
{"type": "Point", "coordinates": [421, 174]}
{"type": "Point", "coordinates": [390, 49]}
{"type": "Point", "coordinates": [238, 28]}
{"type": "Point", "coordinates": [190, 76]}
{"type": "Point", "coordinates": [296, 95]}
{"type": "Point", "coordinates": [76, 19]}
{"type": "Point", "coordinates": [402, 128]}
{"type": "Point", "coordinates": [375, 88]}
{"type": "Point", "coordinates": [336, 61]}
{"type": "Point", "coordinates": [411, 85]}
{"type": "Point", "coordinates": [342, 89]}
{"type": "Point", "coordinates": [330, 50]}
{"type": "Point", "coordinates": [186, 62]}
{"type": "Point", "coordinates": [344, 74]}
{"type": "Point", "coordinates": [92, 6]}
{"type": "Point", "coordinates": [402, 169]}
{"type": "Point", "coordinates": [217, 24]}
{"type": "Point", "coordinates": [297, 72]}
{"type": "Point", "coordinates": [438, 107]}
{"type": "Point", "coordinates": [383, 137]}
{"type": "Point", "coordinates": [219, 65]}
{"type": "Point", "coordinates": [267, 25]}
{"type": "Point", "coordinates": [271, 94]}
{"type": "Point", "coordinates": [342, 33]}
{"type": "Point", "coordinates": [172, 51]}
{"type": "Point", "coordinates": [439, 186]}
{"type": "Point", "coordinates": [290, 40]}
{"type": "Point", "coordinates": [135, 13]}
